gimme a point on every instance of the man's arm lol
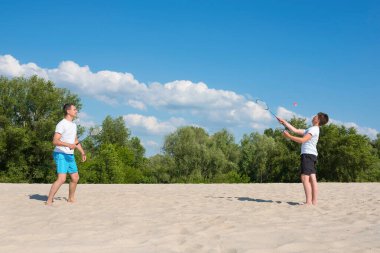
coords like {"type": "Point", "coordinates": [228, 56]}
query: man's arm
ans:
{"type": "Point", "coordinates": [57, 141]}
{"type": "Point", "coordinates": [79, 146]}
{"type": "Point", "coordinates": [301, 140]}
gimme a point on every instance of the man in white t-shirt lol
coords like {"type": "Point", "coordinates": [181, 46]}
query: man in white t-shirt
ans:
{"type": "Point", "coordinates": [309, 153]}
{"type": "Point", "coordinates": [66, 141]}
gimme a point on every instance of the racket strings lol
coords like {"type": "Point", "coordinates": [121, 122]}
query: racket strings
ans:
{"type": "Point", "coordinates": [262, 104]}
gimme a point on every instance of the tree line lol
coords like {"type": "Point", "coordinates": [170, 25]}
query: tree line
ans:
{"type": "Point", "coordinates": [31, 107]}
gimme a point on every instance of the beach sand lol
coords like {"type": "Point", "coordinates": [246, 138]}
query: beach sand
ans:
{"type": "Point", "coordinates": [190, 218]}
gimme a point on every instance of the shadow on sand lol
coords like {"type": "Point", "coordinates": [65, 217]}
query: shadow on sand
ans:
{"type": "Point", "coordinates": [38, 197]}
{"type": "Point", "coordinates": [44, 198]}
{"type": "Point", "coordinates": [266, 201]}
{"type": "Point", "coordinates": [257, 200]}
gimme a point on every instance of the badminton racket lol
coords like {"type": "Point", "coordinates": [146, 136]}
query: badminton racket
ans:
{"type": "Point", "coordinates": [264, 106]}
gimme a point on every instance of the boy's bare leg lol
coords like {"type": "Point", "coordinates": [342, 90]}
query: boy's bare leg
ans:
{"type": "Point", "coordinates": [73, 186]}
{"type": "Point", "coordinates": [55, 187]}
{"type": "Point", "coordinates": [314, 188]}
{"type": "Point", "coordinates": [307, 187]}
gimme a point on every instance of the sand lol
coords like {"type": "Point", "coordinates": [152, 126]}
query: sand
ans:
{"type": "Point", "coordinates": [190, 218]}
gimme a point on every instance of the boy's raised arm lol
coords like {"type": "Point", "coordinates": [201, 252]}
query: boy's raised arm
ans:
{"type": "Point", "coordinates": [290, 127]}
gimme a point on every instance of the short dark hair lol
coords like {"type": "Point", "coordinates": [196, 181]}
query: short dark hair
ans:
{"type": "Point", "coordinates": [67, 107]}
{"type": "Point", "coordinates": [323, 118]}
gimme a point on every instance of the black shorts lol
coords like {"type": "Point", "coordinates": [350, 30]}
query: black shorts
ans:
{"type": "Point", "coordinates": [308, 162]}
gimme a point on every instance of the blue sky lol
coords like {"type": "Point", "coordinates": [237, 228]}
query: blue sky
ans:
{"type": "Point", "coordinates": [164, 64]}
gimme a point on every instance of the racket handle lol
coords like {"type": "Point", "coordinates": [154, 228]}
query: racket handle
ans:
{"type": "Point", "coordinates": [274, 115]}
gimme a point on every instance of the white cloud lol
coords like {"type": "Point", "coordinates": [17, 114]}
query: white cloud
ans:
{"type": "Point", "coordinates": [9, 66]}
{"type": "Point", "coordinates": [136, 104]}
{"type": "Point", "coordinates": [152, 144]}
{"type": "Point", "coordinates": [106, 99]}
{"type": "Point", "coordinates": [181, 97]}
{"type": "Point", "coordinates": [150, 124]}
{"type": "Point", "coordinates": [115, 88]}
{"type": "Point", "coordinates": [370, 132]}
{"type": "Point", "coordinates": [102, 82]}
{"type": "Point", "coordinates": [183, 93]}
{"type": "Point", "coordinates": [85, 120]}
{"type": "Point", "coordinates": [287, 114]}
{"type": "Point", "coordinates": [72, 75]}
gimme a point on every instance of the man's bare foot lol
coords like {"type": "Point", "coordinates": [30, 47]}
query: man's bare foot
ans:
{"type": "Point", "coordinates": [71, 200]}
{"type": "Point", "coordinates": [48, 203]}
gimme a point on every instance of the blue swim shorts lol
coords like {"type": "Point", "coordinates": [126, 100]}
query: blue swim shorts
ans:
{"type": "Point", "coordinates": [65, 163]}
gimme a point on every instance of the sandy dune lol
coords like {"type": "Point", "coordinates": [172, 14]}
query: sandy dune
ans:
{"type": "Point", "coordinates": [190, 218]}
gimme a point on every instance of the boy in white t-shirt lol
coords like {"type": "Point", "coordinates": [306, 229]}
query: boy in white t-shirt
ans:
{"type": "Point", "coordinates": [66, 141]}
{"type": "Point", "coordinates": [309, 153]}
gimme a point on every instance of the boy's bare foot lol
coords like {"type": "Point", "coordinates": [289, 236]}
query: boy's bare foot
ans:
{"type": "Point", "coordinates": [71, 200]}
{"type": "Point", "coordinates": [48, 203]}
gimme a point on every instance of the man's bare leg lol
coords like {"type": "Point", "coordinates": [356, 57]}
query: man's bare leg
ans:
{"type": "Point", "coordinates": [73, 186]}
{"type": "Point", "coordinates": [55, 187]}
{"type": "Point", "coordinates": [307, 187]}
{"type": "Point", "coordinates": [314, 188]}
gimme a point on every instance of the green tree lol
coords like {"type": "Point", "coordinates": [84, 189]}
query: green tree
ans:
{"type": "Point", "coordinates": [225, 142]}
{"type": "Point", "coordinates": [159, 169]}
{"type": "Point", "coordinates": [138, 160]}
{"type": "Point", "coordinates": [116, 156]}
{"type": "Point", "coordinates": [199, 157]}
{"type": "Point", "coordinates": [113, 131]}
{"type": "Point", "coordinates": [30, 108]}
{"type": "Point", "coordinates": [256, 152]}
{"type": "Point", "coordinates": [376, 144]}
{"type": "Point", "coordinates": [346, 156]}
{"type": "Point", "coordinates": [187, 146]}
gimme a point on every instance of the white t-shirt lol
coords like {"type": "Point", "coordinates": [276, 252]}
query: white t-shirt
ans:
{"type": "Point", "coordinates": [68, 131]}
{"type": "Point", "coordinates": [310, 147]}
